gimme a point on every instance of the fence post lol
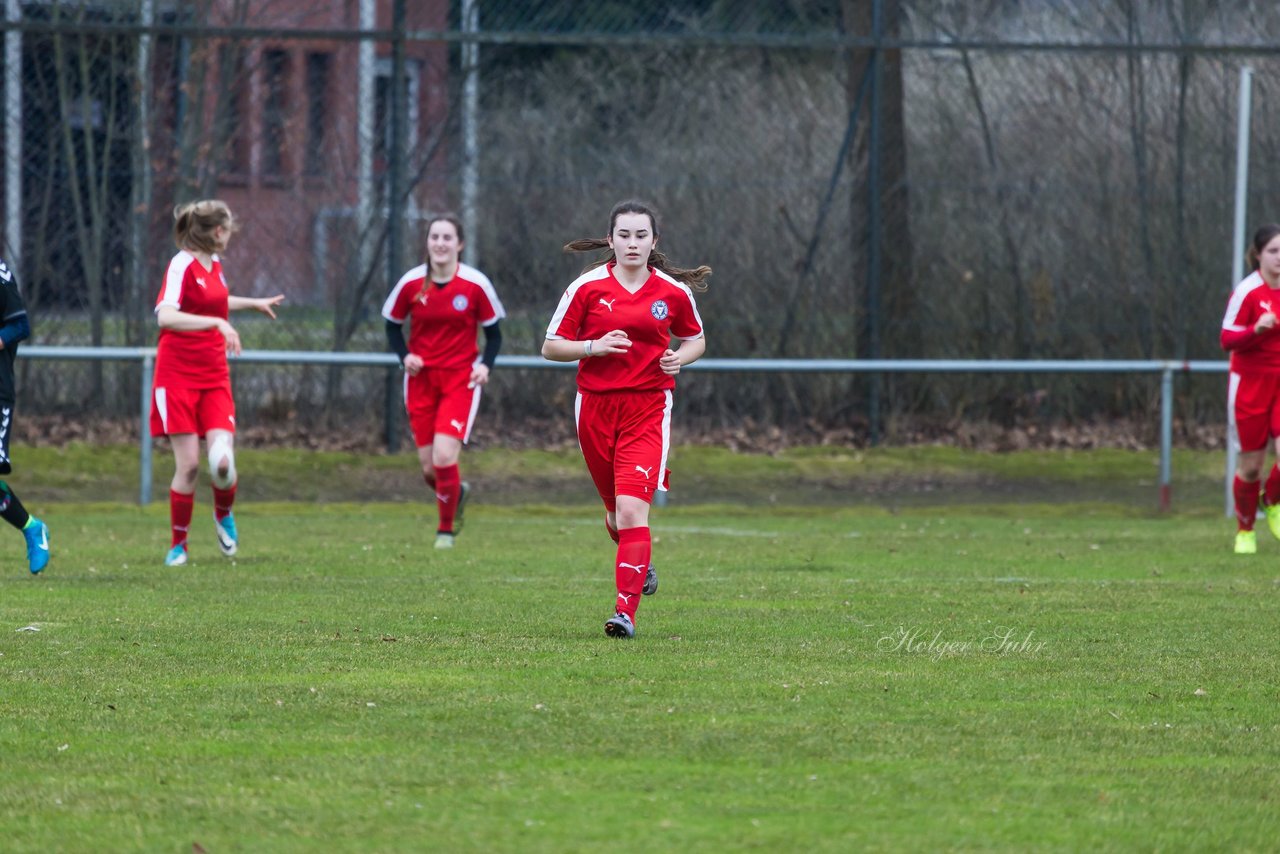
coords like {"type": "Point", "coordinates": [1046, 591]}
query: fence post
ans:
{"type": "Point", "coordinates": [1239, 239]}
{"type": "Point", "coordinates": [1166, 439]}
{"type": "Point", "coordinates": [392, 402]}
{"type": "Point", "coordinates": [144, 441]}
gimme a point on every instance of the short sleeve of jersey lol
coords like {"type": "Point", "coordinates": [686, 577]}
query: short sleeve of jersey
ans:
{"type": "Point", "coordinates": [179, 276]}
{"type": "Point", "coordinates": [686, 323]}
{"type": "Point", "coordinates": [566, 322]}
{"type": "Point", "coordinates": [489, 309]}
{"type": "Point", "coordinates": [399, 302]}
{"type": "Point", "coordinates": [1242, 308]}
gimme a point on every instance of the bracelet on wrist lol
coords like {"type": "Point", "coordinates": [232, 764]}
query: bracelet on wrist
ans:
{"type": "Point", "coordinates": [586, 347]}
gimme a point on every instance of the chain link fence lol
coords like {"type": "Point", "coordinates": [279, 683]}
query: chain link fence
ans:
{"type": "Point", "coordinates": [884, 178]}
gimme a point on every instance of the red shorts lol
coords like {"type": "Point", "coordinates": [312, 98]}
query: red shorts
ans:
{"type": "Point", "coordinates": [192, 410]}
{"type": "Point", "coordinates": [1254, 404]}
{"type": "Point", "coordinates": [625, 436]}
{"type": "Point", "coordinates": [440, 401]}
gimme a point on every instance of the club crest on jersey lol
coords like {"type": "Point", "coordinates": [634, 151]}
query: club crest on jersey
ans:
{"type": "Point", "coordinates": [459, 303]}
{"type": "Point", "coordinates": [659, 309]}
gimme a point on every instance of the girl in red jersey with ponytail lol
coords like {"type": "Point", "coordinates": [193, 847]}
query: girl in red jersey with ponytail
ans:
{"type": "Point", "coordinates": [618, 320]}
{"type": "Point", "coordinates": [191, 393]}
{"type": "Point", "coordinates": [1249, 334]}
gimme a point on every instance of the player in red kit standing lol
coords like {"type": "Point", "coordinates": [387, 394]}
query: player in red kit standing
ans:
{"type": "Point", "coordinates": [617, 320]}
{"type": "Point", "coordinates": [446, 303]}
{"type": "Point", "coordinates": [191, 391]}
{"type": "Point", "coordinates": [1249, 333]}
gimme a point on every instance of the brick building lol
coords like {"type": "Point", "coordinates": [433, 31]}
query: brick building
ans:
{"type": "Point", "coordinates": [273, 126]}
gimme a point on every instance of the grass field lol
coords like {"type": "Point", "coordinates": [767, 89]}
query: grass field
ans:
{"type": "Point", "coordinates": [998, 675]}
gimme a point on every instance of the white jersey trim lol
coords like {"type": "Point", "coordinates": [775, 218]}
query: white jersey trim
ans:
{"type": "Point", "coordinates": [666, 440]}
{"type": "Point", "coordinates": [1242, 290]}
{"type": "Point", "coordinates": [171, 293]}
{"type": "Point", "coordinates": [692, 302]}
{"type": "Point", "coordinates": [417, 273]}
{"type": "Point", "coordinates": [471, 274]}
{"type": "Point", "coordinates": [593, 275]}
{"type": "Point", "coordinates": [1233, 431]}
{"type": "Point", "coordinates": [465, 271]}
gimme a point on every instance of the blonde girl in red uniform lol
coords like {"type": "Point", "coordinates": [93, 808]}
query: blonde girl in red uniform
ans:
{"type": "Point", "coordinates": [617, 320]}
{"type": "Point", "coordinates": [191, 391]}
{"type": "Point", "coordinates": [445, 302]}
{"type": "Point", "coordinates": [1250, 335]}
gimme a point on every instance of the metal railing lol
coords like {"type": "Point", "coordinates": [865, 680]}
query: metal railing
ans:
{"type": "Point", "coordinates": [1164, 368]}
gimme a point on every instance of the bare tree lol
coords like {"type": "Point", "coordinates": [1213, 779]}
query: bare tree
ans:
{"type": "Point", "coordinates": [95, 109]}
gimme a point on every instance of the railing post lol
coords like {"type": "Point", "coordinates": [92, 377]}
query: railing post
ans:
{"type": "Point", "coordinates": [392, 401]}
{"type": "Point", "coordinates": [144, 439]}
{"type": "Point", "coordinates": [1166, 438]}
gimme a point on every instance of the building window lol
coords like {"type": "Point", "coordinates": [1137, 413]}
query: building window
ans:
{"type": "Point", "coordinates": [275, 107]}
{"type": "Point", "coordinates": [317, 112]}
{"type": "Point", "coordinates": [232, 125]}
{"type": "Point", "coordinates": [382, 109]}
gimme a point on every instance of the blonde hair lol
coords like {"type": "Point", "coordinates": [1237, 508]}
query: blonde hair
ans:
{"type": "Point", "coordinates": [694, 278]}
{"type": "Point", "coordinates": [195, 222]}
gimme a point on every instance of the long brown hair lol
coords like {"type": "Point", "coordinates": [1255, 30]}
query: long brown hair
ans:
{"type": "Point", "coordinates": [694, 278]}
{"type": "Point", "coordinates": [1261, 238]}
{"type": "Point", "coordinates": [195, 222]}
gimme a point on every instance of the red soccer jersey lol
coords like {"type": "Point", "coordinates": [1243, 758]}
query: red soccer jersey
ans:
{"type": "Point", "coordinates": [1250, 353]}
{"type": "Point", "coordinates": [193, 359]}
{"type": "Point", "coordinates": [443, 321]}
{"type": "Point", "coordinates": [596, 304]}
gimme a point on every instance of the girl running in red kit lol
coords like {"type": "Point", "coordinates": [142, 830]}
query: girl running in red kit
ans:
{"type": "Point", "coordinates": [191, 392]}
{"type": "Point", "coordinates": [445, 302]}
{"type": "Point", "coordinates": [1249, 333]}
{"type": "Point", "coordinates": [617, 320]}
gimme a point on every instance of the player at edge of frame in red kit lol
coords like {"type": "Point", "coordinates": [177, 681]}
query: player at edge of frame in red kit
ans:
{"type": "Point", "coordinates": [617, 321]}
{"type": "Point", "coordinates": [445, 303]}
{"type": "Point", "coordinates": [1251, 335]}
{"type": "Point", "coordinates": [15, 327]}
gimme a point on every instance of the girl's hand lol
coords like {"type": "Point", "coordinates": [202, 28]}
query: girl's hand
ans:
{"type": "Point", "coordinates": [479, 375]}
{"type": "Point", "coordinates": [1267, 321]}
{"type": "Point", "coordinates": [230, 338]}
{"type": "Point", "coordinates": [412, 364]}
{"type": "Point", "coordinates": [266, 304]}
{"type": "Point", "coordinates": [670, 363]}
{"type": "Point", "coordinates": [615, 341]}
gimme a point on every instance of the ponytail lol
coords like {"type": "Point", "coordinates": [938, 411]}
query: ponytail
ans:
{"type": "Point", "coordinates": [195, 222]}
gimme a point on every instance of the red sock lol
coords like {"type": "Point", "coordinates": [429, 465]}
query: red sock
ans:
{"type": "Point", "coordinates": [180, 507]}
{"type": "Point", "coordinates": [222, 501]}
{"type": "Point", "coordinates": [1273, 485]}
{"type": "Point", "coordinates": [448, 488]}
{"type": "Point", "coordinates": [613, 532]}
{"type": "Point", "coordinates": [635, 549]}
{"type": "Point", "coordinates": [1246, 495]}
